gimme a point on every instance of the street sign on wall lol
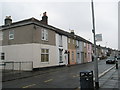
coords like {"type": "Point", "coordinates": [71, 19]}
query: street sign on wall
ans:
{"type": "Point", "coordinates": [98, 37]}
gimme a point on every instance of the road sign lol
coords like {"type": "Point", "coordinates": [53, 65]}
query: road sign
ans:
{"type": "Point", "coordinates": [98, 37]}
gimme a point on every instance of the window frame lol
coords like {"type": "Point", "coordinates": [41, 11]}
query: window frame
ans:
{"type": "Point", "coordinates": [2, 56]}
{"type": "Point", "coordinates": [72, 56]}
{"type": "Point", "coordinates": [60, 40]}
{"type": "Point", "coordinates": [11, 33]}
{"type": "Point", "coordinates": [78, 55]}
{"type": "Point", "coordinates": [44, 34]}
{"type": "Point", "coordinates": [73, 41]}
{"type": "Point", "coordinates": [68, 40]}
{"type": "Point", "coordinates": [60, 56]}
{"type": "Point", "coordinates": [77, 42]}
{"type": "Point", "coordinates": [84, 45]}
{"type": "Point", "coordinates": [45, 53]}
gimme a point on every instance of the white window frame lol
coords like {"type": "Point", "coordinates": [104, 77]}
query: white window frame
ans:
{"type": "Point", "coordinates": [68, 40]}
{"type": "Point", "coordinates": [2, 56]}
{"type": "Point", "coordinates": [78, 55]}
{"type": "Point", "coordinates": [73, 41]}
{"type": "Point", "coordinates": [60, 40]}
{"type": "Point", "coordinates": [72, 56]}
{"type": "Point", "coordinates": [45, 53]}
{"type": "Point", "coordinates": [44, 34]}
{"type": "Point", "coordinates": [77, 42]}
{"type": "Point", "coordinates": [11, 34]}
{"type": "Point", "coordinates": [84, 44]}
{"type": "Point", "coordinates": [60, 56]}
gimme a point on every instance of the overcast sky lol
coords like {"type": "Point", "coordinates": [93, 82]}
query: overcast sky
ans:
{"type": "Point", "coordinates": [69, 15]}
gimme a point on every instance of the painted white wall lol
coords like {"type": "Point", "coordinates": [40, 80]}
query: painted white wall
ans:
{"type": "Point", "coordinates": [30, 52]}
{"type": "Point", "coordinates": [37, 56]}
{"type": "Point", "coordinates": [21, 52]}
{"type": "Point", "coordinates": [18, 53]}
{"type": "Point", "coordinates": [64, 47]}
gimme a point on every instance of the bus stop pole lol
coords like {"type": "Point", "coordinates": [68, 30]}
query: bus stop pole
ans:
{"type": "Point", "coordinates": [95, 55]}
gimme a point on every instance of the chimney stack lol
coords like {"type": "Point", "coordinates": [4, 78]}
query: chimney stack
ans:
{"type": "Point", "coordinates": [8, 20]}
{"type": "Point", "coordinates": [44, 18]}
{"type": "Point", "coordinates": [72, 32]}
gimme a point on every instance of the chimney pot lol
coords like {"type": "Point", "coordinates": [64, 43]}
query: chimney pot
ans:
{"type": "Point", "coordinates": [72, 32]}
{"type": "Point", "coordinates": [8, 20]}
{"type": "Point", "coordinates": [44, 18]}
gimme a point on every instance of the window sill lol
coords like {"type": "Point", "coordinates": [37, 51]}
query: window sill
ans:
{"type": "Point", "coordinates": [45, 62]}
{"type": "Point", "coordinates": [45, 40]}
{"type": "Point", "coordinates": [11, 39]}
{"type": "Point", "coordinates": [61, 62]}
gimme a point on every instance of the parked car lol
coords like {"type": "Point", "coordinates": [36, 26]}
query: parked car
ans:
{"type": "Point", "coordinates": [110, 60]}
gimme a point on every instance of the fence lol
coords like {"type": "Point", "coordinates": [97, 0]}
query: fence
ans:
{"type": "Point", "coordinates": [16, 66]}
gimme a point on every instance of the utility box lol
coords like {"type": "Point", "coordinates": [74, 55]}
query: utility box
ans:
{"type": "Point", "coordinates": [86, 80]}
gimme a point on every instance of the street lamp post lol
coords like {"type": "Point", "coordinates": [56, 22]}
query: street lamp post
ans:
{"type": "Point", "coordinates": [95, 55]}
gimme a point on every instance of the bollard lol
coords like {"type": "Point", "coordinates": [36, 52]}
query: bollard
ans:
{"type": "Point", "coordinates": [86, 80]}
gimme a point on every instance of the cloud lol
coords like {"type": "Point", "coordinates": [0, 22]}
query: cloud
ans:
{"type": "Point", "coordinates": [70, 15]}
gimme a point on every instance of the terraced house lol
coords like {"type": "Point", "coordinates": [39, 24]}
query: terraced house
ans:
{"type": "Point", "coordinates": [29, 40]}
{"type": "Point", "coordinates": [35, 41]}
{"type": "Point", "coordinates": [40, 44]}
{"type": "Point", "coordinates": [72, 48]}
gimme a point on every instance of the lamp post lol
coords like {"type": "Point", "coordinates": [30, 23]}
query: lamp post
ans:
{"type": "Point", "coordinates": [95, 55]}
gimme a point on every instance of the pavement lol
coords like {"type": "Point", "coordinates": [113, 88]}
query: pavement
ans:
{"type": "Point", "coordinates": [110, 80]}
{"type": "Point", "coordinates": [107, 80]}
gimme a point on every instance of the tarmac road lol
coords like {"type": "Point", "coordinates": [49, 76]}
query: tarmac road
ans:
{"type": "Point", "coordinates": [66, 77]}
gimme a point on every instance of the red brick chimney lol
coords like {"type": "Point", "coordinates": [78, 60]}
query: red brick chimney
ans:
{"type": "Point", "coordinates": [44, 18]}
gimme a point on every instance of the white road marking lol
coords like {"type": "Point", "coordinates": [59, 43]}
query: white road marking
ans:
{"type": "Point", "coordinates": [29, 86]}
{"type": "Point", "coordinates": [48, 80]}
